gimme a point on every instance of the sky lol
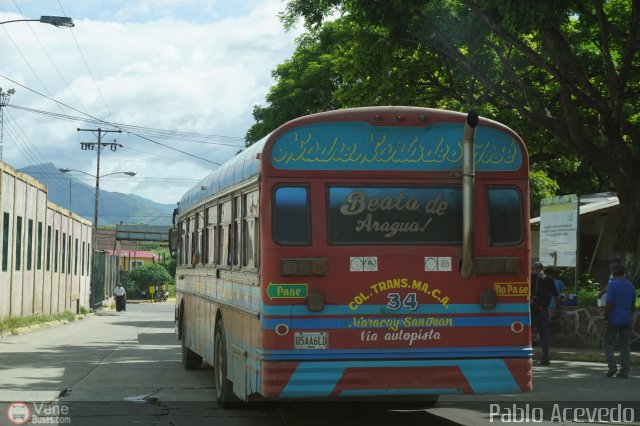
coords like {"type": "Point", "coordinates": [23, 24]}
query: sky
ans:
{"type": "Point", "coordinates": [180, 78]}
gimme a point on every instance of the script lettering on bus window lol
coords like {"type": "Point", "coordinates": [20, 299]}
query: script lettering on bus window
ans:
{"type": "Point", "coordinates": [393, 215]}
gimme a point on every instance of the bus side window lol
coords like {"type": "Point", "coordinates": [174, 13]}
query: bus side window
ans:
{"type": "Point", "coordinates": [250, 230]}
{"type": "Point", "coordinates": [212, 222]}
{"type": "Point", "coordinates": [201, 248]}
{"type": "Point", "coordinates": [181, 244]}
{"type": "Point", "coordinates": [236, 244]}
{"type": "Point", "coordinates": [193, 239]}
{"type": "Point", "coordinates": [505, 216]}
{"type": "Point", "coordinates": [224, 234]}
{"type": "Point", "coordinates": [291, 216]}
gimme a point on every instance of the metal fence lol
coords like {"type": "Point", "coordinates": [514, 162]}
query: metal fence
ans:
{"type": "Point", "coordinates": [105, 274]}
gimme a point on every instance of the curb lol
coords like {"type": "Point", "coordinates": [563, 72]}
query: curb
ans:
{"type": "Point", "coordinates": [32, 327]}
{"type": "Point", "coordinates": [584, 356]}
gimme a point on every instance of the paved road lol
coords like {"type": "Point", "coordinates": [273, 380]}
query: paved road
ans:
{"type": "Point", "coordinates": [124, 368]}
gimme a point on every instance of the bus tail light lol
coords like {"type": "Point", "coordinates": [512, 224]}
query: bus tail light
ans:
{"type": "Point", "coordinates": [315, 301]}
{"type": "Point", "coordinates": [488, 299]}
{"type": "Point", "coordinates": [316, 267]}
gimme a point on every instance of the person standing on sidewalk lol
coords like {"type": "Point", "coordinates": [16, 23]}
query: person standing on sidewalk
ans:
{"type": "Point", "coordinates": [560, 286]}
{"type": "Point", "coordinates": [618, 314]}
{"type": "Point", "coordinates": [602, 294]}
{"type": "Point", "coordinates": [542, 290]}
{"type": "Point", "coordinates": [121, 298]}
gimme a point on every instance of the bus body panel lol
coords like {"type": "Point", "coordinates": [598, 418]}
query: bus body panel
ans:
{"type": "Point", "coordinates": [376, 378]}
{"type": "Point", "coordinates": [407, 324]}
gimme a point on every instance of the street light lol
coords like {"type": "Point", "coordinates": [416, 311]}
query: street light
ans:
{"type": "Point", "coordinates": [97, 200]}
{"type": "Point", "coordinates": [57, 21]}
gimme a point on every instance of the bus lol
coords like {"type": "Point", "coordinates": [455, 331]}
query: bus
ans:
{"type": "Point", "coordinates": [377, 252]}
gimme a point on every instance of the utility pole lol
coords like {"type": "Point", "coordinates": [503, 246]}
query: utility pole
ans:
{"type": "Point", "coordinates": [98, 147]}
{"type": "Point", "coordinates": [4, 101]}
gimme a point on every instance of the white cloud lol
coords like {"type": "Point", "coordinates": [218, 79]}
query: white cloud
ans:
{"type": "Point", "coordinates": [159, 64]}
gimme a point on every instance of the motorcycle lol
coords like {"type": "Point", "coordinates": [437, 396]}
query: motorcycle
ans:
{"type": "Point", "coordinates": [162, 296]}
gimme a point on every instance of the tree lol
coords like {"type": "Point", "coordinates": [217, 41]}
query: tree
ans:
{"type": "Point", "coordinates": [151, 274]}
{"type": "Point", "coordinates": [305, 85]}
{"type": "Point", "coordinates": [170, 265]}
{"type": "Point", "coordinates": [563, 73]}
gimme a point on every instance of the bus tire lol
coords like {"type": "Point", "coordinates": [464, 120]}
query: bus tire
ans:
{"type": "Point", "coordinates": [190, 359]}
{"type": "Point", "coordinates": [224, 387]}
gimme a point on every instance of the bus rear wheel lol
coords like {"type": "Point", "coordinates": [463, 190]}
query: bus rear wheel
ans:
{"type": "Point", "coordinates": [224, 387]}
{"type": "Point", "coordinates": [190, 359]}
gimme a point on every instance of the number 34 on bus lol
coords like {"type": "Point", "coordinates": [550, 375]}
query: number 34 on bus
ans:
{"type": "Point", "coordinates": [367, 252]}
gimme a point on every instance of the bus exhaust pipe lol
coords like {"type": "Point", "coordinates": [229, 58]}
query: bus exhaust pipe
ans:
{"type": "Point", "coordinates": [468, 177]}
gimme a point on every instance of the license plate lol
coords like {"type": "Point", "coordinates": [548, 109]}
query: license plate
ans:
{"type": "Point", "coordinates": [317, 340]}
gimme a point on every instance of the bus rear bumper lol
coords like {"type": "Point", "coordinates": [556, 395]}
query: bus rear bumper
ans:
{"type": "Point", "coordinates": [380, 378]}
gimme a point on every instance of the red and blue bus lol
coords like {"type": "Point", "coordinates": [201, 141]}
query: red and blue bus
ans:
{"type": "Point", "coordinates": [366, 252]}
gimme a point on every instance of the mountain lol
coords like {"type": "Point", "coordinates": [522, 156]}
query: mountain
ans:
{"type": "Point", "coordinates": [114, 207]}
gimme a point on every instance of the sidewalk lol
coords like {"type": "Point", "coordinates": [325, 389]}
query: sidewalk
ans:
{"type": "Point", "coordinates": [580, 354]}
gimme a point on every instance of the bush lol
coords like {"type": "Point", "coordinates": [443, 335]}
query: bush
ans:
{"type": "Point", "coordinates": [588, 287]}
{"type": "Point", "coordinates": [170, 265]}
{"type": "Point", "coordinates": [588, 291]}
{"type": "Point", "coordinates": [171, 288]}
{"type": "Point", "coordinates": [146, 275]}
{"type": "Point", "coordinates": [132, 290]}
{"type": "Point", "coordinates": [587, 298]}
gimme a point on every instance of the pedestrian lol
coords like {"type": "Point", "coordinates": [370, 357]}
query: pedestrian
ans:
{"type": "Point", "coordinates": [121, 298]}
{"type": "Point", "coordinates": [542, 290]}
{"type": "Point", "coordinates": [560, 286]}
{"type": "Point", "coordinates": [602, 294]}
{"type": "Point", "coordinates": [618, 315]}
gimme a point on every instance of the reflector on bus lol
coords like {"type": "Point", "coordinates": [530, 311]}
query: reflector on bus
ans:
{"type": "Point", "coordinates": [312, 267]}
{"type": "Point", "coordinates": [497, 265]}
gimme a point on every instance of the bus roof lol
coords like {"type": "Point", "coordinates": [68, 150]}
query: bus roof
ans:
{"type": "Point", "coordinates": [314, 143]}
{"type": "Point", "coordinates": [241, 167]}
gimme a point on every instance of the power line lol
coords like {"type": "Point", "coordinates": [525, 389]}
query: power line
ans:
{"type": "Point", "coordinates": [46, 53]}
{"type": "Point", "coordinates": [116, 177]}
{"type": "Point", "coordinates": [107, 123]}
{"type": "Point", "coordinates": [29, 151]}
{"type": "Point", "coordinates": [95, 84]}
{"type": "Point", "coordinates": [233, 141]}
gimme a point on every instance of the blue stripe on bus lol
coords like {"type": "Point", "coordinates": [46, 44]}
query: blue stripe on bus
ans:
{"type": "Point", "coordinates": [473, 308]}
{"type": "Point", "coordinates": [320, 378]}
{"type": "Point", "coordinates": [346, 323]}
{"type": "Point", "coordinates": [429, 353]}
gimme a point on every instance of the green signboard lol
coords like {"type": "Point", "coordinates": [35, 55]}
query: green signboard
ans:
{"type": "Point", "coordinates": [287, 291]}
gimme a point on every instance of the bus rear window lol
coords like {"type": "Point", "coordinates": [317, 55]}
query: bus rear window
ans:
{"type": "Point", "coordinates": [395, 215]}
{"type": "Point", "coordinates": [291, 215]}
{"type": "Point", "coordinates": [505, 216]}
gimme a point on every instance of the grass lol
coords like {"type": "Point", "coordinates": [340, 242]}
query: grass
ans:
{"type": "Point", "coordinates": [12, 324]}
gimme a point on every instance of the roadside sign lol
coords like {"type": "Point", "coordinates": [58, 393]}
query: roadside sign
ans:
{"type": "Point", "coordinates": [559, 230]}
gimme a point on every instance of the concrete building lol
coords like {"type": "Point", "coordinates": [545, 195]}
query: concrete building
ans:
{"type": "Point", "coordinates": [45, 256]}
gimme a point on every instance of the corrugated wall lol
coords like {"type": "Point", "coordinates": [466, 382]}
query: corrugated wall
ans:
{"type": "Point", "coordinates": [45, 259]}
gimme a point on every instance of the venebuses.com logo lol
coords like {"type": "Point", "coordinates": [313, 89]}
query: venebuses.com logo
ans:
{"type": "Point", "coordinates": [20, 413]}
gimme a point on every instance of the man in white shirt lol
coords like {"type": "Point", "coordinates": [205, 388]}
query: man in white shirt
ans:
{"type": "Point", "coordinates": [121, 298]}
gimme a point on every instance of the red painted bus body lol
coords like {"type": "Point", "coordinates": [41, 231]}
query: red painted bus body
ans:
{"type": "Point", "coordinates": [355, 283]}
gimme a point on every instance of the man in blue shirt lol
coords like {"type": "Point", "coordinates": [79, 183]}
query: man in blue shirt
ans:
{"type": "Point", "coordinates": [560, 286]}
{"type": "Point", "coordinates": [618, 314]}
